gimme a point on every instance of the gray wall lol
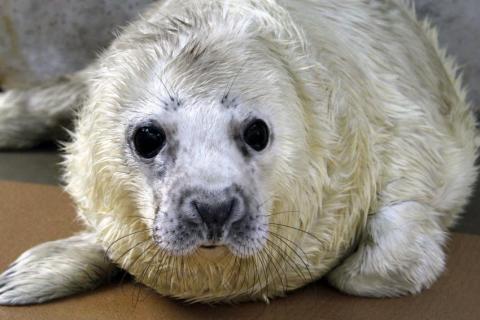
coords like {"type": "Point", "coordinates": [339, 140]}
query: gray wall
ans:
{"type": "Point", "coordinates": [458, 23]}
{"type": "Point", "coordinates": [41, 39]}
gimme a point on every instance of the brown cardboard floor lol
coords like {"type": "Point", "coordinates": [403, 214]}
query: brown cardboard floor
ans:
{"type": "Point", "coordinates": [34, 213]}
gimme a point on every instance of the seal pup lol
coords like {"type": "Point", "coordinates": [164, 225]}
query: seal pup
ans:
{"type": "Point", "coordinates": [236, 150]}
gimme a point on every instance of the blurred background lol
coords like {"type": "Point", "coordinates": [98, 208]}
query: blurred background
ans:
{"type": "Point", "coordinates": [41, 40]}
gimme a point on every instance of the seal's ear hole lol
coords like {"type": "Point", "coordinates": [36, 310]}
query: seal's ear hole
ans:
{"type": "Point", "coordinates": [256, 135]}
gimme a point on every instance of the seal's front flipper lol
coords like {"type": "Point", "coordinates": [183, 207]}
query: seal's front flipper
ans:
{"type": "Point", "coordinates": [55, 269]}
{"type": "Point", "coordinates": [401, 252]}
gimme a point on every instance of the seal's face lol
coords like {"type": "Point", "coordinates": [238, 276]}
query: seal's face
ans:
{"type": "Point", "coordinates": [201, 132]}
{"type": "Point", "coordinates": [197, 140]}
{"type": "Point", "coordinates": [203, 160]}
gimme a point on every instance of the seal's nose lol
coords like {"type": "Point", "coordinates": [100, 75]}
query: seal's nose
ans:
{"type": "Point", "coordinates": [215, 215]}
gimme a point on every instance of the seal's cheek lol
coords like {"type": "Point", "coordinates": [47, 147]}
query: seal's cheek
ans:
{"type": "Point", "coordinates": [248, 235]}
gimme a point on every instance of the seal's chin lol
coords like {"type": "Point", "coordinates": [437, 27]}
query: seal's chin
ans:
{"type": "Point", "coordinates": [213, 251]}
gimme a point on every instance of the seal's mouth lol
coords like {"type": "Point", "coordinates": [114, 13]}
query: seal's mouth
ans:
{"type": "Point", "coordinates": [209, 247]}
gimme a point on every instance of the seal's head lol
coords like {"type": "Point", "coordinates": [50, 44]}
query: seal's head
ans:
{"type": "Point", "coordinates": [196, 135]}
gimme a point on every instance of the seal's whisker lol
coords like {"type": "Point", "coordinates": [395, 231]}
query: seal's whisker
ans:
{"type": "Point", "coordinates": [264, 270]}
{"type": "Point", "coordinates": [157, 271]}
{"type": "Point", "coordinates": [183, 270]}
{"type": "Point", "coordinates": [253, 266]}
{"type": "Point", "coordinates": [123, 237]}
{"type": "Point", "coordinates": [169, 270]}
{"type": "Point", "coordinates": [170, 94]}
{"type": "Point", "coordinates": [239, 263]}
{"type": "Point", "coordinates": [117, 260]}
{"type": "Point", "coordinates": [230, 85]}
{"type": "Point", "coordinates": [163, 257]}
{"type": "Point", "coordinates": [284, 239]}
{"type": "Point", "coordinates": [124, 275]}
{"type": "Point", "coordinates": [188, 270]}
{"type": "Point", "coordinates": [255, 271]}
{"type": "Point", "coordinates": [298, 229]}
{"type": "Point", "coordinates": [134, 263]}
{"type": "Point", "coordinates": [177, 276]}
{"type": "Point", "coordinates": [263, 202]}
{"type": "Point", "coordinates": [130, 265]}
{"type": "Point", "coordinates": [271, 258]}
{"type": "Point", "coordinates": [149, 264]}
{"type": "Point", "coordinates": [230, 268]}
{"type": "Point", "coordinates": [247, 272]}
{"type": "Point", "coordinates": [288, 258]}
{"type": "Point", "coordinates": [170, 273]}
{"type": "Point", "coordinates": [241, 271]}
{"type": "Point", "coordinates": [281, 253]}
{"type": "Point", "coordinates": [140, 255]}
{"type": "Point", "coordinates": [144, 274]}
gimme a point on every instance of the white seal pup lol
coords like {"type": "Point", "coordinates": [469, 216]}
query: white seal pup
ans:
{"type": "Point", "coordinates": [236, 150]}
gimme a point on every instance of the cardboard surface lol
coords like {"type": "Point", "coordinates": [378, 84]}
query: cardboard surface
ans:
{"type": "Point", "coordinates": [31, 214]}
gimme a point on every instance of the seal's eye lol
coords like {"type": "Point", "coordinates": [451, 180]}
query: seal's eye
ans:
{"type": "Point", "coordinates": [149, 141]}
{"type": "Point", "coordinates": [256, 135]}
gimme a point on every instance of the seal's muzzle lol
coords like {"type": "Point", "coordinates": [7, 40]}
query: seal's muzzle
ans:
{"type": "Point", "coordinates": [214, 211]}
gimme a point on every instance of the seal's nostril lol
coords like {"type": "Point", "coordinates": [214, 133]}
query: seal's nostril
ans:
{"type": "Point", "coordinates": [214, 213]}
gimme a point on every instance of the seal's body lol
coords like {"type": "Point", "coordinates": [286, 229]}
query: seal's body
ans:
{"type": "Point", "coordinates": [232, 150]}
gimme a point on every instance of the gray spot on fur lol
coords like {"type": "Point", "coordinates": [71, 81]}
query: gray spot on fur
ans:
{"type": "Point", "coordinates": [229, 103]}
{"type": "Point", "coordinates": [236, 134]}
{"type": "Point", "coordinates": [173, 104]}
{"type": "Point", "coordinates": [171, 150]}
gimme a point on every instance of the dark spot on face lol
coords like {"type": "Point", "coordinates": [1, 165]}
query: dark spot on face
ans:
{"type": "Point", "coordinates": [172, 105]}
{"type": "Point", "coordinates": [170, 152]}
{"type": "Point", "coordinates": [161, 172]}
{"type": "Point", "coordinates": [229, 103]}
{"type": "Point", "coordinates": [187, 193]}
{"type": "Point", "coordinates": [236, 132]}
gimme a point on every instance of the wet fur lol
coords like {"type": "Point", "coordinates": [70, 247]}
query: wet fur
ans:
{"type": "Point", "coordinates": [373, 159]}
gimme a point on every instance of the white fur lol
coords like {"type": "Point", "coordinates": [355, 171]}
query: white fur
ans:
{"type": "Point", "coordinates": [400, 252]}
{"type": "Point", "coordinates": [55, 269]}
{"type": "Point", "coordinates": [374, 143]}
